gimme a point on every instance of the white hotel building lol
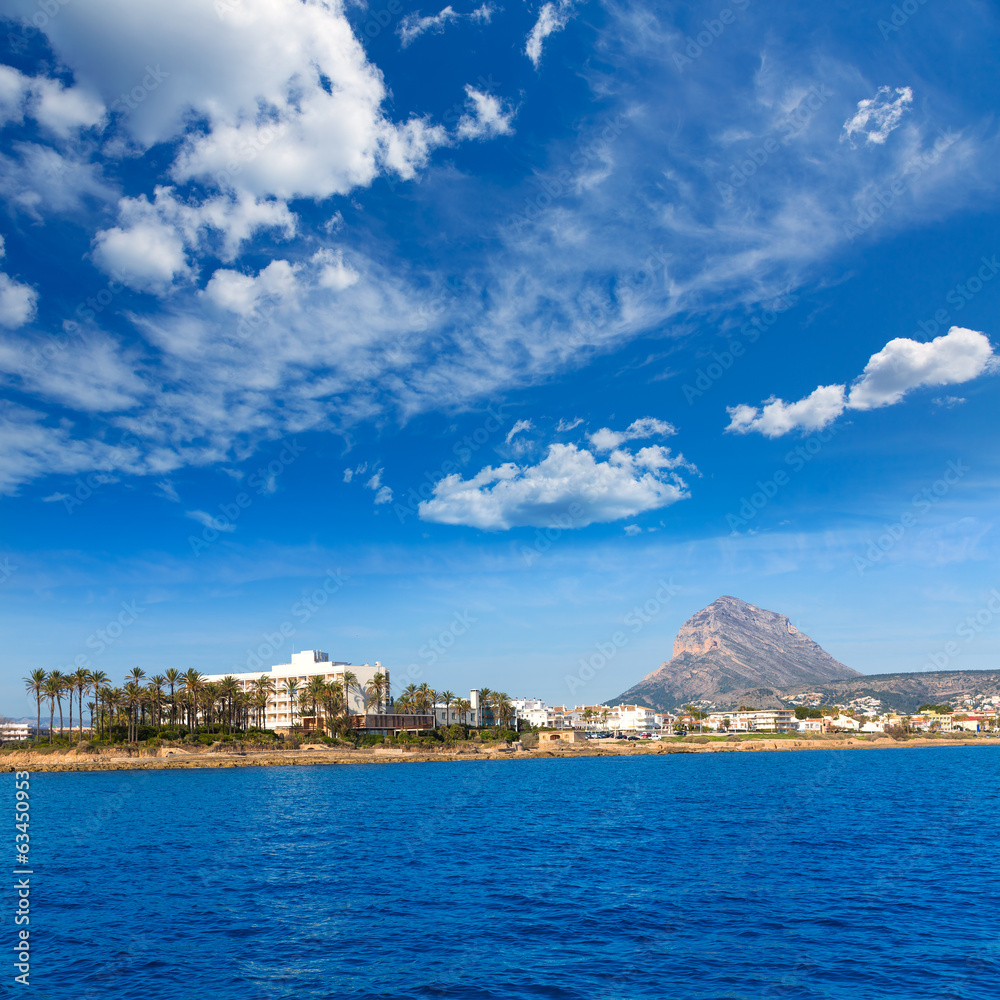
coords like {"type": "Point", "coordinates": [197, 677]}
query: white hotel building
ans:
{"type": "Point", "coordinates": [304, 666]}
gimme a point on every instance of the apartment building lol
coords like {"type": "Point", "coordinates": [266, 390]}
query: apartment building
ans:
{"type": "Point", "coordinates": [309, 663]}
{"type": "Point", "coordinates": [768, 721]}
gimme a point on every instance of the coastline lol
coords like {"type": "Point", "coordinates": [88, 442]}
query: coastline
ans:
{"type": "Point", "coordinates": [177, 759]}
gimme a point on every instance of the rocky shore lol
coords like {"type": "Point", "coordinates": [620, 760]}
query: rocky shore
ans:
{"type": "Point", "coordinates": [174, 758]}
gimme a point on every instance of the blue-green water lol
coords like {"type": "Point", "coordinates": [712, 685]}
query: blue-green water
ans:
{"type": "Point", "coordinates": [829, 874]}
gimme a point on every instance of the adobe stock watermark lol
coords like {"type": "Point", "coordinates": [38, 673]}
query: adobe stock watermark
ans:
{"type": "Point", "coordinates": [959, 296]}
{"type": "Point", "coordinates": [463, 450]}
{"type": "Point", "coordinates": [262, 481]}
{"type": "Point", "coordinates": [885, 199]}
{"type": "Point", "coordinates": [722, 362]}
{"type": "Point", "coordinates": [899, 14]}
{"type": "Point", "coordinates": [128, 101]}
{"type": "Point", "coordinates": [636, 620]}
{"type": "Point", "coordinates": [966, 630]}
{"type": "Point", "coordinates": [796, 459]}
{"type": "Point", "coordinates": [302, 611]}
{"type": "Point", "coordinates": [878, 548]}
{"type": "Point", "coordinates": [789, 127]}
{"type": "Point", "coordinates": [437, 647]}
{"type": "Point", "coordinates": [563, 182]}
{"type": "Point", "coordinates": [711, 30]}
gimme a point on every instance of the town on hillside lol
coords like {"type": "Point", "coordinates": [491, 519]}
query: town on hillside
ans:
{"type": "Point", "coordinates": [313, 697]}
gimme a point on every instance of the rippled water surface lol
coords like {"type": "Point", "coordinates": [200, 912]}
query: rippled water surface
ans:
{"type": "Point", "coordinates": [822, 874]}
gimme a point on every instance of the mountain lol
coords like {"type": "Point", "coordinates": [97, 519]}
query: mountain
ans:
{"type": "Point", "coordinates": [733, 653]}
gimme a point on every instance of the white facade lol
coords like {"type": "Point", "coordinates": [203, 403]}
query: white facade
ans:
{"type": "Point", "coordinates": [304, 666]}
{"type": "Point", "coordinates": [15, 730]}
{"type": "Point", "coordinates": [767, 721]}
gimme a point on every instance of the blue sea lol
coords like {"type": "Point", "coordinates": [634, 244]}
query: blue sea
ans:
{"type": "Point", "coordinates": [833, 874]}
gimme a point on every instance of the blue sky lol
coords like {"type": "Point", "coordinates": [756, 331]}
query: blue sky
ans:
{"type": "Point", "coordinates": [448, 336]}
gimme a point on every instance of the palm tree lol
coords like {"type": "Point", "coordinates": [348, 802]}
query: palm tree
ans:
{"type": "Point", "coordinates": [156, 683]}
{"type": "Point", "coordinates": [447, 697]}
{"type": "Point", "coordinates": [57, 685]}
{"type": "Point", "coordinates": [347, 678]}
{"type": "Point", "coordinates": [35, 684]}
{"type": "Point", "coordinates": [133, 695]}
{"type": "Point", "coordinates": [265, 689]}
{"type": "Point", "coordinates": [485, 701]}
{"type": "Point", "coordinates": [314, 692]}
{"type": "Point", "coordinates": [172, 677]}
{"type": "Point", "coordinates": [409, 696]}
{"type": "Point", "coordinates": [332, 698]}
{"type": "Point", "coordinates": [193, 683]}
{"type": "Point", "coordinates": [503, 711]}
{"type": "Point", "coordinates": [82, 682]}
{"type": "Point", "coordinates": [291, 690]}
{"type": "Point", "coordinates": [426, 696]}
{"type": "Point", "coordinates": [376, 689]}
{"type": "Point", "coordinates": [463, 706]}
{"type": "Point", "coordinates": [98, 681]}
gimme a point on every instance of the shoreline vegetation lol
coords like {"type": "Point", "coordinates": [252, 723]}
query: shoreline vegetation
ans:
{"type": "Point", "coordinates": [60, 759]}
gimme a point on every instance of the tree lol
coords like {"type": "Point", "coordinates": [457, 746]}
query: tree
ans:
{"type": "Point", "coordinates": [463, 706]}
{"type": "Point", "coordinates": [98, 681]}
{"type": "Point", "coordinates": [378, 689]}
{"type": "Point", "coordinates": [291, 689]}
{"type": "Point", "coordinates": [172, 677]}
{"type": "Point", "coordinates": [264, 686]}
{"type": "Point", "coordinates": [56, 688]}
{"type": "Point", "coordinates": [447, 697]}
{"type": "Point", "coordinates": [485, 701]}
{"type": "Point", "coordinates": [347, 679]}
{"type": "Point", "coordinates": [193, 683]}
{"type": "Point", "coordinates": [34, 684]}
{"type": "Point", "coordinates": [82, 681]}
{"type": "Point", "coordinates": [332, 698]}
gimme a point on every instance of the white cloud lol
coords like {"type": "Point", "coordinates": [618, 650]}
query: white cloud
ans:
{"type": "Point", "coordinates": [383, 494]}
{"type": "Point", "coordinates": [242, 293]}
{"type": "Point", "coordinates": [567, 425]}
{"type": "Point", "coordinates": [902, 365]}
{"type": "Point", "coordinates": [334, 273]}
{"type": "Point", "coordinates": [487, 120]}
{"type": "Point", "coordinates": [55, 498]}
{"type": "Point", "coordinates": [58, 108]}
{"type": "Point", "coordinates": [168, 491]}
{"type": "Point", "coordinates": [348, 475]}
{"type": "Point", "coordinates": [150, 244]}
{"type": "Point", "coordinates": [552, 17]}
{"type": "Point", "coordinates": [958, 356]}
{"type": "Point", "coordinates": [606, 439]}
{"type": "Point", "coordinates": [519, 426]}
{"type": "Point", "coordinates": [208, 521]}
{"type": "Point", "coordinates": [148, 253]}
{"type": "Point", "coordinates": [633, 529]}
{"type": "Point", "coordinates": [413, 26]}
{"type": "Point", "coordinates": [17, 300]}
{"type": "Point", "coordinates": [568, 488]}
{"type": "Point", "coordinates": [877, 116]}
{"type": "Point", "coordinates": [820, 408]}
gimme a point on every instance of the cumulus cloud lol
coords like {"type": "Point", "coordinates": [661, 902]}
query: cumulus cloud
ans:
{"type": "Point", "coordinates": [17, 301]}
{"type": "Point", "coordinates": [958, 356]}
{"type": "Point", "coordinates": [606, 439]}
{"type": "Point", "coordinates": [776, 417]}
{"type": "Point", "coordinates": [902, 365]}
{"type": "Point", "coordinates": [58, 108]}
{"type": "Point", "coordinates": [487, 118]}
{"type": "Point", "coordinates": [552, 17]}
{"type": "Point", "coordinates": [877, 116]}
{"type": "Point", "coordinates": [150, 245]}
{"type": "Point", "coordinates": [569, 487]}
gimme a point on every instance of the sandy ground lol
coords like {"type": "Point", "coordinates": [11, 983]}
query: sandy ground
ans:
{"type": "Point", "coordinates": [176, 758]}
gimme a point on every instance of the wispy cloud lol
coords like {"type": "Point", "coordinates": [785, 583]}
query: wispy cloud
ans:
{"type": "Point", "coordinates": [877, 116]}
